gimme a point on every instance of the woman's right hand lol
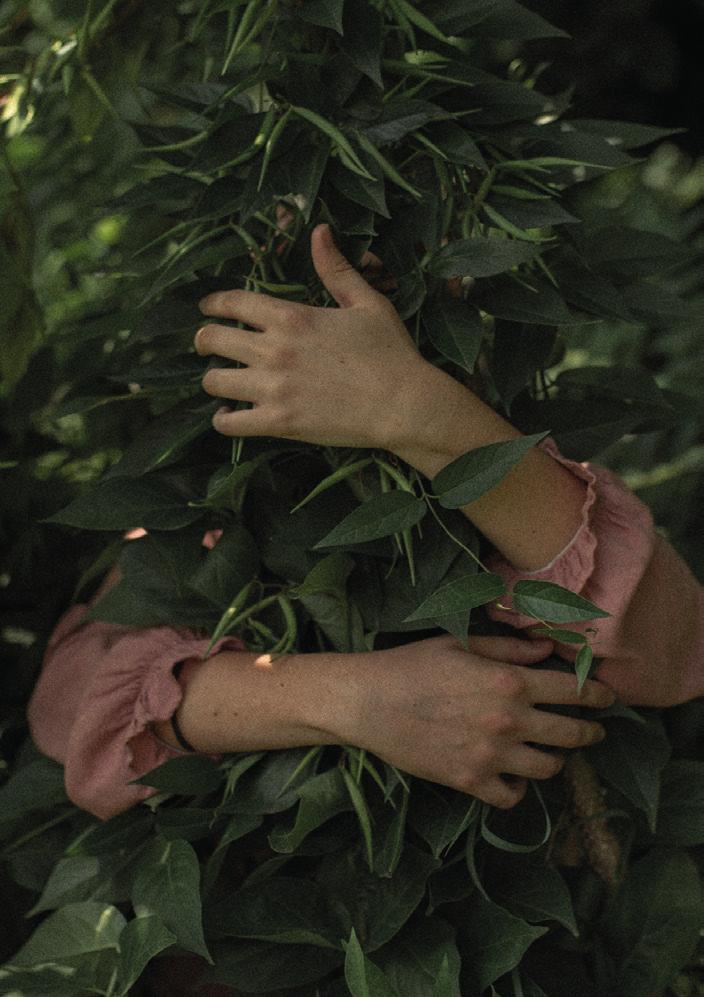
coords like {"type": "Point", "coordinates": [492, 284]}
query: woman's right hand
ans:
{"type": "Point", "coordinates": [463, 717]}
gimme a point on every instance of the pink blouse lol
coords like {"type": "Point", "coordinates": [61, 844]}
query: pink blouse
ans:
{"type": "Point", "coordinates": [103, 685]}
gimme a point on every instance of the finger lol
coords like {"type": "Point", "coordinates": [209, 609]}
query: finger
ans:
{"type": "Point", "coordinates": [513, 649]}
{"type": "Point", "coordinates": [246, 306]}
{"type": "Point", "coordinates": [532, 764]}
{"type": "Point", "coordinates": [500, 793]}
{"type": "Point", "coordinates": [244, 422]}
{"type": "Point", "coordinates": [561, 732]}
{"type": "Point", "coordinates": [243, 385]}
{"type": "Point", "coordinates": [224, 341]}
{"type": "Point", "coordinates": [339, 277]}
{"type": "Point", "coordinates": [561, 687]}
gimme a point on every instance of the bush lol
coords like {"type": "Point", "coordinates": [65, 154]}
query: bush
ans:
{"type": "Point", "coordinates": [148, 154]}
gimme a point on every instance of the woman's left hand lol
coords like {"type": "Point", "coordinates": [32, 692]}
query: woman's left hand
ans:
{"type": "Point", "coordinates": [333, 376]}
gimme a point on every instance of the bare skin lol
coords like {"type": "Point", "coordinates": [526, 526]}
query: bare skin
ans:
{"type": "Point", "coordinates": [457, 717]}
{"type": "Point", "coordinates": [352, 376]}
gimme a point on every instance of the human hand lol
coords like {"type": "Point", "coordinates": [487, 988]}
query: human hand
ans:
{"type": "Point", "coordinates": [462, 717]}
{"type": "Point", "coordinates": [332, 376]}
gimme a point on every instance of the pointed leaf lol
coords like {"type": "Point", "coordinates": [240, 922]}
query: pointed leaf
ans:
{"type": "Point", "coordinates": [379, 517]}
{"type": "Point", "coordinates": [140, 940]}
{"type": "Point", "coordinates": [480, 257]}
{"type": "Point", "coordinates": [460, 596]}
{"type": "Point", "coordinates": [363, 977]}
{"type": "Point", "coordinates": [168, 884]}
{"type": "Point", "coordinates": [473, 474]}
{"type": "Point", "coordinates": [547, 601]}
{"type": "Point", "coordinates": [454, 328]}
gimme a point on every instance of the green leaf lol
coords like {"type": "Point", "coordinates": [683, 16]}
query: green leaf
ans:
{"type": "Point", "coordinates": [363, 816]}
{"type": "Point", "coordinates": [329, 575]}
{"type": "Point", "coordinates": [339, 474]}
{"type": "Point", "coordinates": [534, 890]}
{"type": "Point", "coordinates": [632, 759]}
{"type": "Point", "coordinates": [583, 664]}
{"type": "Point", "coordinates": [378, 907]}
{"type": "Point", "coordinates": [228, 567]}
{"type": "Point", "coordinates": [282, 909]}
{"type": "Point", "coordinates": [363, 38]}
{"type": "Point", "coordinates": [363, 977]}
{"type": "Point", "coordinates": [439, 817]}
{"type": "Point", "coordinates": [167, 884]}
{"type": "Point", "coordinates": [260, 967]}
{"type": "Point", "coordinates": [326, 13]}
{"type": "Point", "coordinates": [456, 143]}
{"type": "Point", "coordinates": [341, 141]}
{"type": "Point", "coordinates": [76, 929]}
{"type": "Point", "coordinates": [680, 815]}
{"type": "Point", "coordinates": [369, 193]}
{"type": "Point", "coordinates": [140, 940]}
{"type": "Point", "coordinates": [270, 786]}
{"type": "Point", "coordinates": [414, 960]}
{"type": "Point", "coordinates": [446, 983]}
{"type": "Point", "coordinates": [400, 116]}
{"type": "Point", "coordinates": [38, 785]}
{"type": "Point", "coordinates": [540, 305]}
{"type": "Point", "coordinates": [473, 474]}
{"type": "Point", "coordinates": [76, 878]}
{"type": "Point", "coordinates": [454, 328]}
{"type": "Point", "coordinates": [123, 504]}
{"type": "Point", "coordinates": [495, 941]}
{"type": "Point", "coordinates": [460, 596]}
{"type": "Point", "coordinates": [654, 922]}
{"type": "Point", "coordinates": [379, 517]}
{"type": "Point", "coordinates": [547, 601]}
{"type": "Point", "coordinates": [630, 252]}
{"type": "Point", "coordinates": [188, 775]}
{"type": "Point", "coordinates": [529, 212]}
{"type": "Point", "coordinates": [164, 439]}
{"type": "Point", "coordinates": [480, 257]}
{"type": "Point", "coordinates": [321, 798]}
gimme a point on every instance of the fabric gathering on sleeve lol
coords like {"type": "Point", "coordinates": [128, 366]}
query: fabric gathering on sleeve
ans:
{"type": "Point", "coordinates": [618, 561]}
{"type": "Point", "coordinates": [101, 688]}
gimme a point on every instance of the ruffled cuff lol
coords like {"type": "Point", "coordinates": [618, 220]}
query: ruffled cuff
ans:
{"type": "Point", "coordinates": [111, 742]}
{"type": "Point", "coordinates": [607, 555]}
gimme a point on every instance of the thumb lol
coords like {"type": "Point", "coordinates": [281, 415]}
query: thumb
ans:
{"type": "Point", "coordinates": [339, 277]}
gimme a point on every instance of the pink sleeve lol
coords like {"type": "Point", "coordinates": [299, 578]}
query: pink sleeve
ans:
{"type": "Point", "coordinates": [101, 687]}
{"type": "Point", "coordinates": [652, 645]}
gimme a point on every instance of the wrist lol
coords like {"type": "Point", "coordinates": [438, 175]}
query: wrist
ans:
{"type": "Point", "coordinates": [330, 700]}
{"type": "Point", "coordinates": [440, 419]}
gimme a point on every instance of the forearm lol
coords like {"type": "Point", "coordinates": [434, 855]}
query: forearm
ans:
{"type": "Point", "coordinates": [240, 701]}
{"type": "Point", "coordinates": [533, 513]}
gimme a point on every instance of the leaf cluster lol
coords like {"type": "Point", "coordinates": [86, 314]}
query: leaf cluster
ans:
{"type": "Point", "coordinates": [198, 125]}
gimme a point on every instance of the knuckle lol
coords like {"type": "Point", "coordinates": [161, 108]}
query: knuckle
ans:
{"type": "Point", "coordinates": [466, 783]}
{"type": "Point", "coordinates": [278, 391]}
{"type": "Point", "coordinates": [483, 754]}
{"type": "Point", "coordinates": [290, 317]}
{"type": "Point", "coordinates": [501, 722]}
{"type": "Point", "coordinates": [508, 683]}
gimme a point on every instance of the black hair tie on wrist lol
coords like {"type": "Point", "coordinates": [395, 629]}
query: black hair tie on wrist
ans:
{"type": "Point", "coordinates": [178, 733]}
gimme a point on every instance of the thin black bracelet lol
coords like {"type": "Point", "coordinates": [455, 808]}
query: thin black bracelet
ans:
{"type": "Point", "coordinates": [178, 733]}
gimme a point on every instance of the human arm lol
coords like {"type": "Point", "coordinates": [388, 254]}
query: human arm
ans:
{"type": "Point", "coordinates": [454, 716]}
{"type": "Point", "coordinates": [103, 703]}
{"type": "Point", "coordinates": [352, 376]}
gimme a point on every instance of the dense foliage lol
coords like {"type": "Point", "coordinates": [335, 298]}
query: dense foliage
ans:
{"type": "Point", "coordinates": [147, 152]}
